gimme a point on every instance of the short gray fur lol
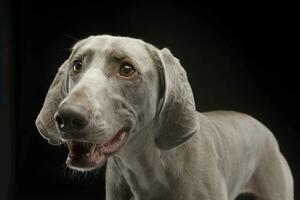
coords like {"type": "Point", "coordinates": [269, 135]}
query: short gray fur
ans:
{"type": "Point", "coordinates": [172, 152]}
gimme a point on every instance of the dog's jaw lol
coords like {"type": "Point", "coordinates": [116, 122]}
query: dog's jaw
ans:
{"type": "Point", "coordinates": [85, 156]}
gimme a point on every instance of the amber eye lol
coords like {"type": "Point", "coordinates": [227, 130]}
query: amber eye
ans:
{"type": "Point", "coordinates": [126, 70]}
{"type": "Point", "coordinates": [77, 66]}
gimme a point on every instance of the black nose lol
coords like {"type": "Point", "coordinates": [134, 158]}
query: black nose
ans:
{"type": "Point", "coordinates": [71, 118]}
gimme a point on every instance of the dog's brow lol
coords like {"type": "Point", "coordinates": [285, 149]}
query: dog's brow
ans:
{"type": "Point", "coordinates": [118, 54]}
{"type": "Point", "coordinates": [77, 46]}
{"type": "Point", "coordinates": [82, 53]}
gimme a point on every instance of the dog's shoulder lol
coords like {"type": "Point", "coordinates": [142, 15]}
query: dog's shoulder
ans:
{"type": "Point", "coordinates": [241, 122]}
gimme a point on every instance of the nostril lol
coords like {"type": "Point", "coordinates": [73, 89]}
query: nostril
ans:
{"type": "Point", "coordinates": [78, 123]}
{"type": "Point", "coordinates": [59, 121]}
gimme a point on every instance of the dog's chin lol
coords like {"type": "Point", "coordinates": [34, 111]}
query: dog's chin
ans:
{"type": "Point", "coordinates": [84, 156]}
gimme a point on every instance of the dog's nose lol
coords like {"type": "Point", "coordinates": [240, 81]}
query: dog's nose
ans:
{"type": "Point", "coordinates": [71, 118]}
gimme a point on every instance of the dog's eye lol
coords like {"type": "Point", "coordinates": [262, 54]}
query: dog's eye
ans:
{"type": "Point", "coordinates": [77, 66]}
{"type": "Point", "coordinates": [126, 70]}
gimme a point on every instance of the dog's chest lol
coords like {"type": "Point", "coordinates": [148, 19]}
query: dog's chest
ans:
{"type": "Point", "coordinates": [146, 183]}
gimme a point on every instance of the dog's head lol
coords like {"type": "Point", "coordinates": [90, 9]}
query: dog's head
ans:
{"type": "Point", "coordinates": [107, 91]}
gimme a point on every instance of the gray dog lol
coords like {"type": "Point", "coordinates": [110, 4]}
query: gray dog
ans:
{"type": "Point", "coordinates": [124, 101]}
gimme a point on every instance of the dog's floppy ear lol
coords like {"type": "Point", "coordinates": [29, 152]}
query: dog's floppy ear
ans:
{"type": "Point", "coordinates": [45, 121]}
{"type": "Point", "coordinates": [177, 116]}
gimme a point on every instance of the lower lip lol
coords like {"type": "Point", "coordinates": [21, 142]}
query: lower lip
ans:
{"type": "Point", "coordinates": [100, 155]}
{"type": "Point", "coordinates": [86, 162]}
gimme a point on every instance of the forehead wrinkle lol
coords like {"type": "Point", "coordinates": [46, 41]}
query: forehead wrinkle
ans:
{"type": "Point", "coordinates": [89, 45]}
{"type": "Point", "coordinates": [117, 54]}
{"type": "Point", "coordinates": [78, 46]}
{"type": "Point", "coordinates": [121, 48]}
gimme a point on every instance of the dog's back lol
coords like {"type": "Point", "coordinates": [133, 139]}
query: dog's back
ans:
{"type": "Point", "coordinates": [250, 157]}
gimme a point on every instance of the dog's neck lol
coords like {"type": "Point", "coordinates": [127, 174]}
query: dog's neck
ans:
{"type": "Point", "coordinates": [140, 162]}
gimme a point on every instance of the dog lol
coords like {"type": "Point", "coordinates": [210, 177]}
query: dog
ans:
{"type": "Point", "coordinates": [123, 101]}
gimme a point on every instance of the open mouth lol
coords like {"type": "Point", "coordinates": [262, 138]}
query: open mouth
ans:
{"type": "Point", "coordinates": [88, 156]}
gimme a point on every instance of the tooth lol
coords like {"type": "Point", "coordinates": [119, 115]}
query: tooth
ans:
{"type": "Point", "coordinates": [93, 148]}
{"type": "Point", "coordinates": [70, 145]}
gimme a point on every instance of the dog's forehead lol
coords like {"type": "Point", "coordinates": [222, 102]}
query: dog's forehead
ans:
{"type": "Point", "coordinates": [110, 45]}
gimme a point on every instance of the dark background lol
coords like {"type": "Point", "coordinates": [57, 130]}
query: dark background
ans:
{"type": "Point", "coordinates": [238, 56]}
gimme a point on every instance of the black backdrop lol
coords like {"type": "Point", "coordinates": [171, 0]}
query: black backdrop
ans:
{"type": "Point", "coordinates": [238, 56]}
